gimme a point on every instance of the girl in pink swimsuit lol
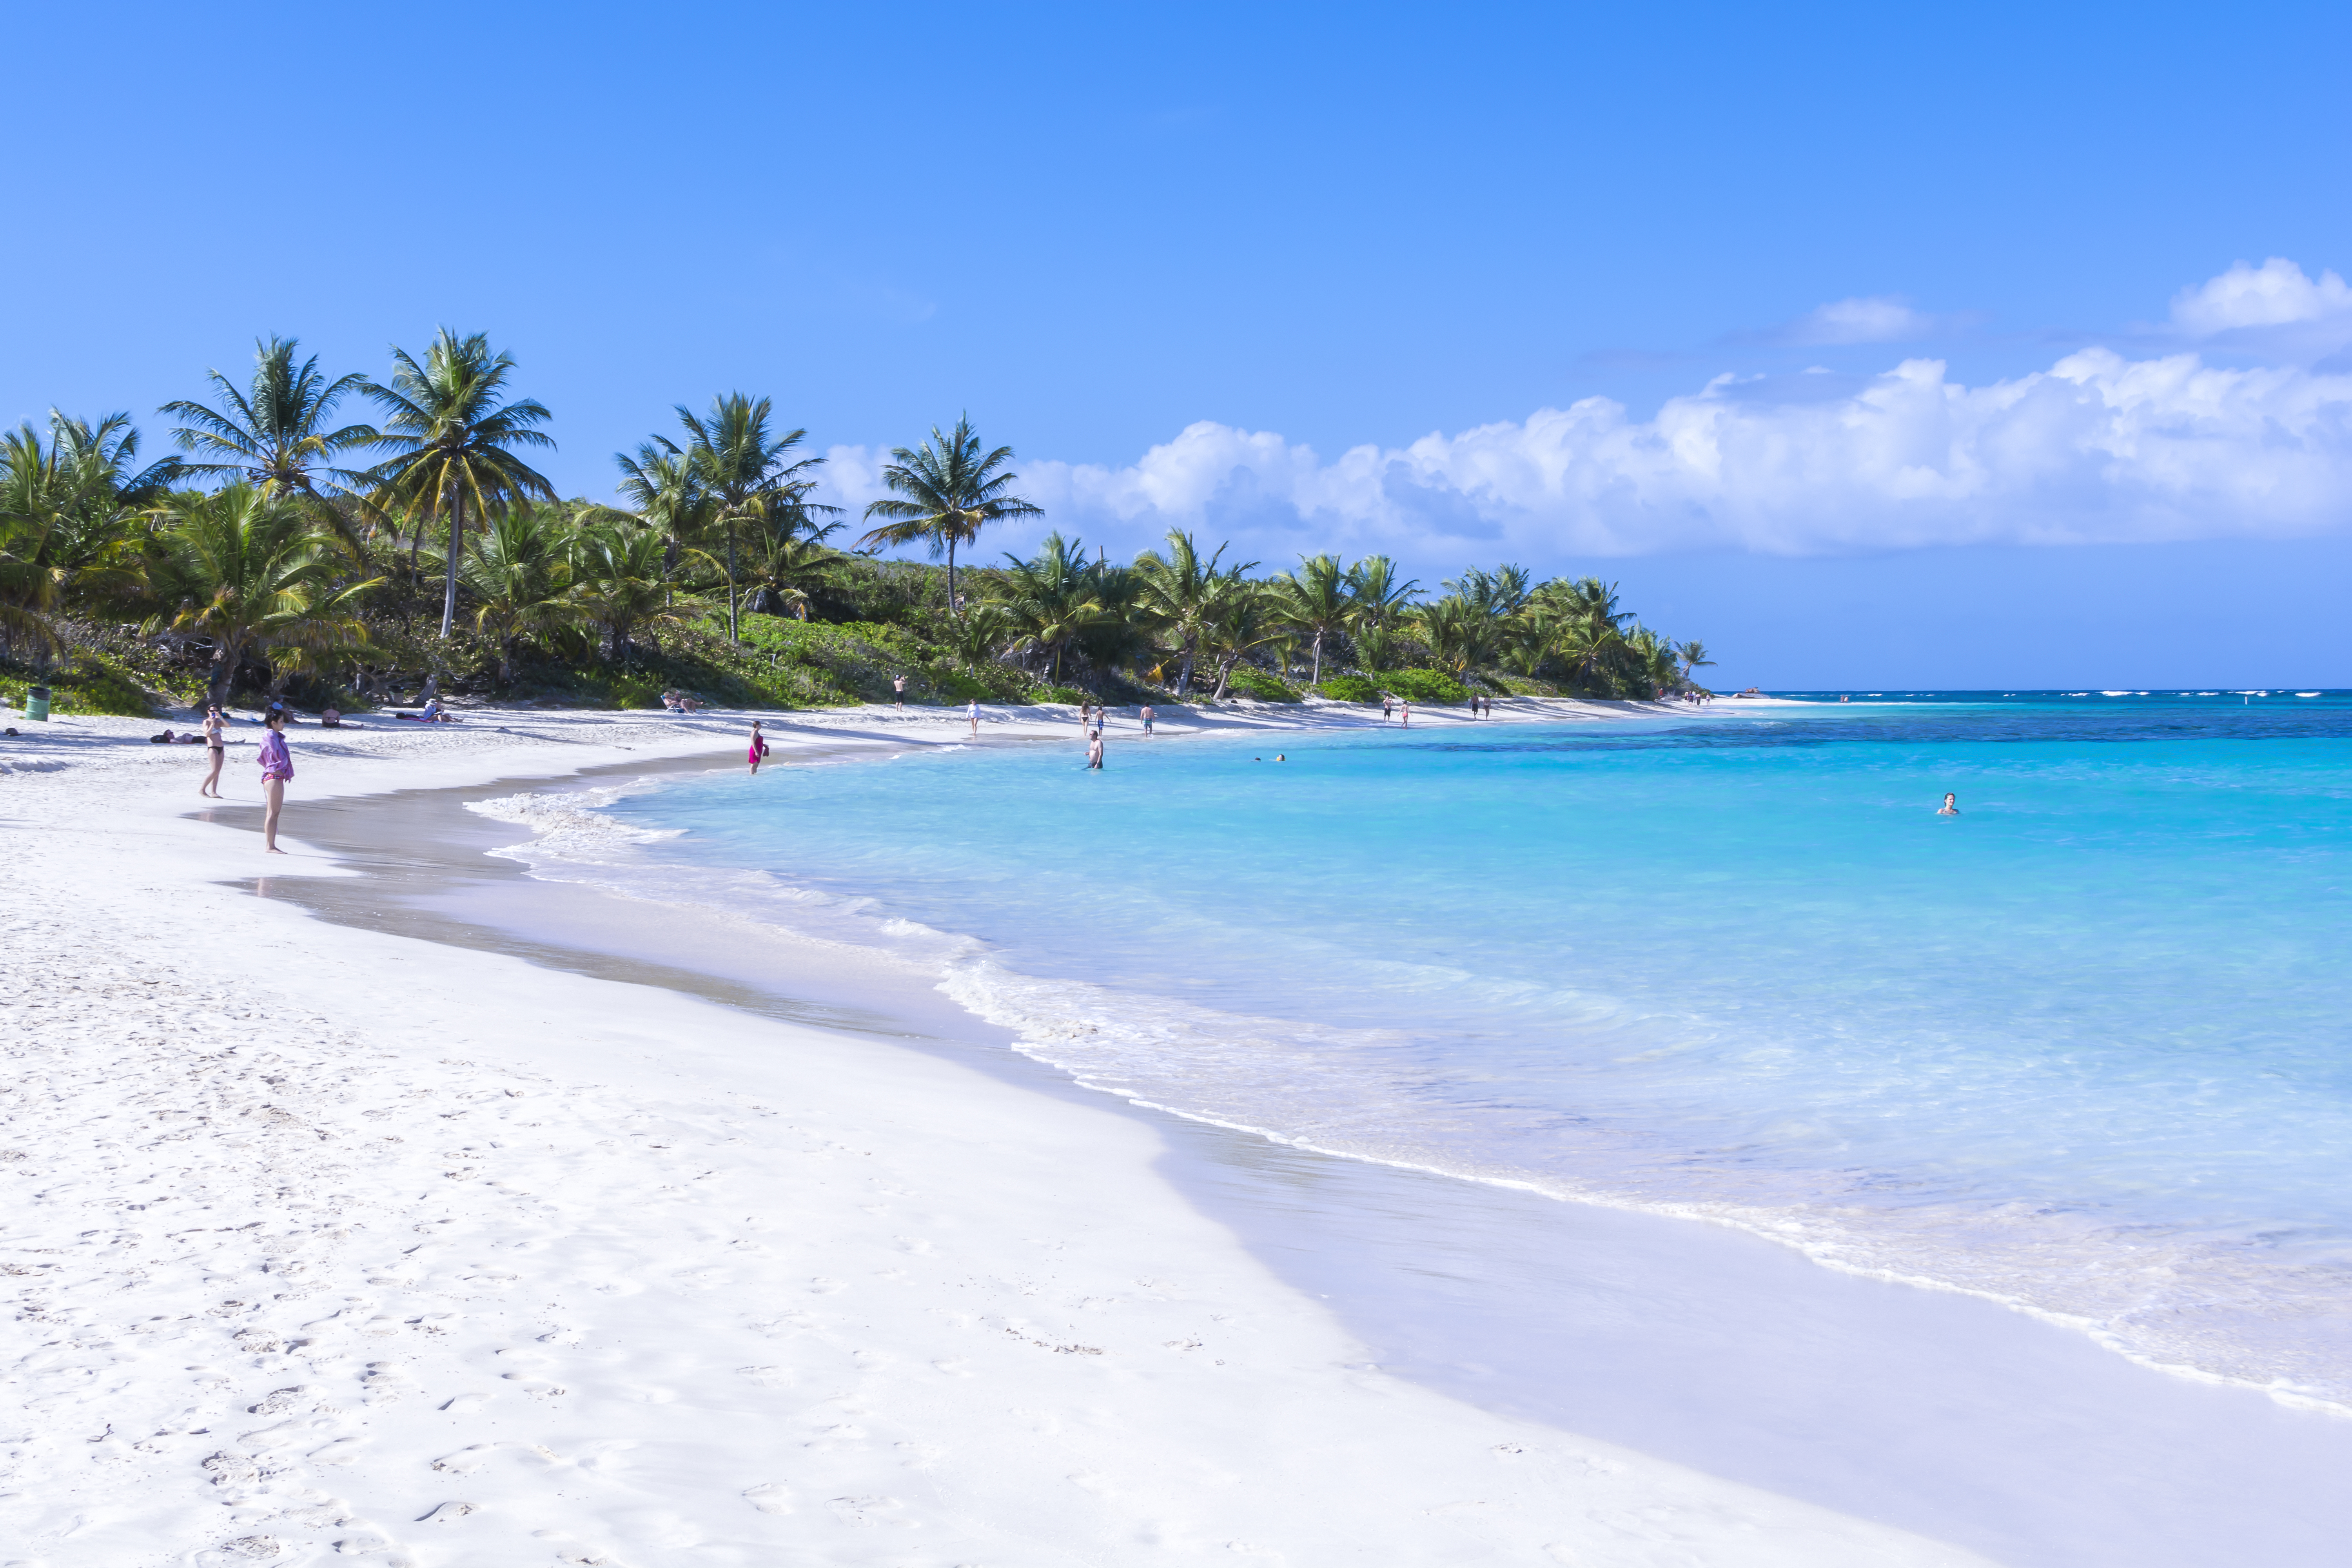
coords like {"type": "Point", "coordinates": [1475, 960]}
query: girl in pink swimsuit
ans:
{"type": "Point", "coordinates": [277, 767]}
{"type": "Point", "coordinates": [759, 746]}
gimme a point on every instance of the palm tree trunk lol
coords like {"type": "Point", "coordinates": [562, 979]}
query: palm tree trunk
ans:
{"type": "Point", "coordinates": [951, 592]}
{"type": "Point", "coordinates": [1316, 679]}
{"type": "Point", "coordinates": [731, 636]}
{"type": "Point", "coordinates": [456, 543]}
{"type": "Point", "coordinates": [1184, 670]}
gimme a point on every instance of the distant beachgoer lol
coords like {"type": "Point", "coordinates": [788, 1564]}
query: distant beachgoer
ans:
{"type": "Point", "coordinates": [1280, 758]}
{"type": "Point", "coordinates": [277, 767]}
{"type": "Point", "coordinates": [971, 711]}
{"type": "Point", "coordinates": [1388, 709]}
{"type": "Point", "coordinates": [899, 689]}
{"type": "Point", "coordinates": [1952, 807]}
{"type": "Point", "coordinates": [1146, 716]}
{"type": "Point", "coordinates": [331, 719]}
{"type": "Point", "coordinates": [759, 747]}
{"type": "Point", "coordinates": [1094, 749]}
{"type": "Point", "coordinates": [1405, 719]}
{"type": "Point", "coordinates": [217, 745]}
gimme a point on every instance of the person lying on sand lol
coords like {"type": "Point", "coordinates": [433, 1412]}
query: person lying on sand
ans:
{"type": "Point", "coordinates": [331, 719]}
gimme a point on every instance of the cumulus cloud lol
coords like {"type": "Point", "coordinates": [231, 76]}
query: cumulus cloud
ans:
{"type": "Point", "coordinates": [2276, 294]}
{"type": "Point", "coordinates": [2099, 447]}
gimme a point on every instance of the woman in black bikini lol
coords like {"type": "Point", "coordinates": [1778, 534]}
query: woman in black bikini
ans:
{"type": "Point", "coordinates": [216, 746]}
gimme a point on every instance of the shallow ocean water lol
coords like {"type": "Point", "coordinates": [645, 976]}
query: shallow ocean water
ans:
{"type": "Point", "coordinates": [2084, 1048]}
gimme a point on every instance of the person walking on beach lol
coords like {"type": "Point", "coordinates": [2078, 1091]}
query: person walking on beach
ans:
{"type": "Point", "coordinates": [216, 748]}
{"type": "Point", "coordinates": [277, 767]}
{"type": "Point", "coordinates": [1952, 807]}
{"type": "Point", "coordinates": [1388, 707]}
{"type": "Point", "coordinates": [1406, 721]}
{"type": "Point", "coordinates": [899, 693]}
{"type": "Point", "coordinates": [759, 748]}
{"type": "Point", "coordinates": [1146, 716]}
{"type": "Point", "coordinates": [971, 711]}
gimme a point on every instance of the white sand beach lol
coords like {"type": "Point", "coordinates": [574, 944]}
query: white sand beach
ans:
{"type": "Point", "coordinates": [325, 1241]}
{"type": "Point", "coordinates": [321, 1242]}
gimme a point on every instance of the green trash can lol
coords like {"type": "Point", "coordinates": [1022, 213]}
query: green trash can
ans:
{"type": "Point", "coordinates": [37, 702]}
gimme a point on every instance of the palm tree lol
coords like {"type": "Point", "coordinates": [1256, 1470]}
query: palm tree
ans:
{"type": "Point", "coordinates": [1050, 598]}
{"type": "Point", "coordinates": [740, 462]}
{"type": "Point", "coordinates": [1694, 657]}
{"type": "Point", "coordinates": [252, 573]}
{"type": "Point", "coordinates": [663, 487]}
{"type": "Point", "coordinates": [1315, 599]}
{"type": "Point", "coordinates": [618, 581]}
{"type": "Point", "coordinates": [519, 573]}
{"type": "Point", "coordinates": [67, 507]}
{"type": "Point", "coordinates": [980, 635]}
{"type": "Point", "coordinates": [1461, 632]}
{"type": "Point", "coordinates": [274, 433]}
{"type": "Point", "coordinates": [1242, 619]}
{"type": "Point", "coordinates": [948, 491]}
{"type": "Point", "coordinates": [780, 578]}
{"type": "Point", "coordinates": [1180, 591]}
{"type": "Point", "coordinates": [452, 430]}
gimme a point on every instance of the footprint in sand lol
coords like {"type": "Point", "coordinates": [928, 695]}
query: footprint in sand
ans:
{"type": "Point", "coordinates": [767, 1377]}
{"type": "Point", "coordinates": [769, 1497]}
{"type": "Point", "coordinates": [464, 1461]}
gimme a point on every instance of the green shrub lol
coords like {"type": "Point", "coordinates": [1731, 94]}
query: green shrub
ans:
{"type": "Point", "coordinates": [1423, 686]}
{"type": "Point", "coordinates": [90, 685]}
{"type": "Point", "coordinates": [1250, 681]}
{"type": "Point", "coordinates": [1351, 688]}
{"type": "Point", "coordinates": [1070, 694]}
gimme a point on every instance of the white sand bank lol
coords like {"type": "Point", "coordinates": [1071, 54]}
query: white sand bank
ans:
{"type": "Point", "coordinates": [321, 1242]}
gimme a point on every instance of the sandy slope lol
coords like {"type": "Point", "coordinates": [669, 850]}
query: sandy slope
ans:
{"type": "Point", "coordinates": [321, 1242]}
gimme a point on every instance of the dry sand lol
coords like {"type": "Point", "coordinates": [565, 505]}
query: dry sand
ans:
{"type": "Point", "coordinates": [322, 1242]}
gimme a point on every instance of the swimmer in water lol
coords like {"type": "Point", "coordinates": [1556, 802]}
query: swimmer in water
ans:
{"type": "Point", "coordinates": [1952, 807]}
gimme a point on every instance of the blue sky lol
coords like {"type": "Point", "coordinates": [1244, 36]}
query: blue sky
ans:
{"type": "Point", "coordinates": [1224, 267]}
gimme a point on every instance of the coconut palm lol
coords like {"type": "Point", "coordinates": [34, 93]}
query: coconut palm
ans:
{"type": "Point", "coordinates": [1461, 632]}
{"type": "Point", "coordinates": [453, 428]}
{"type": "Point", "coordinates": [618, 583]}
{"type": "Point", "coordinates": [980, 635]}
{"type": "Point", "coordinates": [520, 574]}
{"type": "Point", "coordinates": [948, 491]}
{"type": "Point", "coordinates": [1177, 591]}
{"type": "Point", "coordinates": [276, 432]}
{"type": "Point", "coordinates": [1694, 657]}
{"type": "Point", "coordinates": [253, 574]}
{"type": "Point", "coordinates": [1315, 599]}
{"type": "Point", "coordinates": [745, 471]}
{"type": "Point", "coordinates": [1050, 598]}
{"type": "Point", "coordinates": [663, 488]}
{"type": "Point", "coordinates": [68, 504]}
{"type": "Point", "coordinates": [1242, 619]}
{"type": "Point", "coordinates": [780, 576]}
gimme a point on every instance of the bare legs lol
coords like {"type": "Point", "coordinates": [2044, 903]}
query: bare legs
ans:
{"type": "Point", "coordinates": [211, 786]}
{"type": "Point", "coordinates": [273, 794]}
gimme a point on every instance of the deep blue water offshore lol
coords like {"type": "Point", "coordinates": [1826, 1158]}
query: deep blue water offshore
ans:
{"type": "Point", "coordinates": [2085, 1047]}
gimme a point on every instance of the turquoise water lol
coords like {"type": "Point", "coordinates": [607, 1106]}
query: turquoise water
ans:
{"type": "Point", "coordinates": [2085, 1047]}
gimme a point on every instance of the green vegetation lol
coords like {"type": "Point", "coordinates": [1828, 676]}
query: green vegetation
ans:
{"type": "Point", "coordinates": [268, 561]}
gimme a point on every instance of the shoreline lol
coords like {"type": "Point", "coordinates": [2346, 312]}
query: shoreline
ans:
{"type": "Point", "coordinates": [1217, 1174]}
{"type": "Point", "coordinates": [333, 1236]}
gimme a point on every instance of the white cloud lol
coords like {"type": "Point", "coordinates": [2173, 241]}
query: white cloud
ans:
{"type": "Point", "coordinates": [1872, 319]}
{"type": "Point", "coordinates": [2275, 294]}
{"type": "Point", "coordinates": [2096, 448]}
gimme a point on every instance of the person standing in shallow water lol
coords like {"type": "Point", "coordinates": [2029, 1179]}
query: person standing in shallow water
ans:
{"type": "Point", "coordinates": [216, 751]}
{"type": "Point", "coordinates": [759, 748]}
{"type": "Point", "coordinates": [277, 767]}
{"type": "Point", "coordinates": [1952, 807]}
{"type": "Point", "coordinates": [1094, 749]}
